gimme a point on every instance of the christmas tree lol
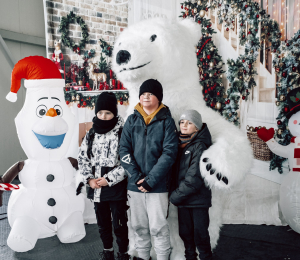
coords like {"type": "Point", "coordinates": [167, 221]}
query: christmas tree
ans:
{"type": "Point", "coordinates": [287, 67]}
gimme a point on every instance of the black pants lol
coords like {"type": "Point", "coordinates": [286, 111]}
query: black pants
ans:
{"type": "Point", "coordinates": [193, 230]}
{"type": "Point", "coordinates": [117, 210]}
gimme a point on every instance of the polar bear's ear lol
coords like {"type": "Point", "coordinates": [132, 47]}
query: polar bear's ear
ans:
{"type": "Point", "coordinates": [193, 28]}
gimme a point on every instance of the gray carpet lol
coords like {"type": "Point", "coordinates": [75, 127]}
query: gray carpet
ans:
{"type": "Point", "coordinates": [237, 242]}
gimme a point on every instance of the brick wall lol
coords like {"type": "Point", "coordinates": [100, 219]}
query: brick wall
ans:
{"type": "Point", "coordinates": [103, 18]}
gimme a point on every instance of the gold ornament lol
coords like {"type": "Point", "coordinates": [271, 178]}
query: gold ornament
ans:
{"type": "Point", "coordinates": [287, 128]}
{"type": "Point", "coordinates": [225, 2]}
{"type": "Point", "coordinates": [221, 76]}
{"type": "Point", "coordinates": [195, 10]}
{"type": "Point", "coordinates": [73, 97]}
{"type": "Point", "coordinates": [212, 49]}
{"type": "Point", "coordinates": [277, 103]}
{"type": "Point", "coordinates": [251, 129]}
{"type": "Point", "coordinates": [80, 82]}
{"type": "Point", "coordinates": [93, 104]}
{"type": "Point", "coordinates": [220, 63]}
{"type": "Point", "coordinates": [77, 97]}
{"type": "Point", "coordinates": [202, 13]}
{"type": "Point", "coordinates": [218, 105]}
{"type": "Point", "coordinates": [282, 98]}
{"type": "Point", "coordinates": [210, 75]}
{"type": "Point", "coordinates": [239, 10]}
{"type": "Point", "coordinates": [241, 77]}
{"type": "Point", "coordinates": [199, 2]}
{"type": "Point", "coordinates": [232, 63]}
{"type": "Point", "coordinates": [279, 131]}
{"type": "Point", "coordinates": [202, 88]}
{"type": "Point", "coordinates": [221, 84]}
{"type": "Point", "coordinates": [230, 115]}
{"type": "Point", "coordinates": [211, 64]}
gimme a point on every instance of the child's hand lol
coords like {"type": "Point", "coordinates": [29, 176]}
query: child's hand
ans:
{"type": "Point", "coordinates": [93, 183]}
{"type": "Point", "coordinates": [102, 182]}
{"type": "Point", "coordinates": [141, 188]}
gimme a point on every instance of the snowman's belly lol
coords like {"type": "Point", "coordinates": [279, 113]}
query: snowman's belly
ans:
{"type": "Point", "coordinates": [47, 175]}
{"type": "Point", "coordinates": [45, 205]}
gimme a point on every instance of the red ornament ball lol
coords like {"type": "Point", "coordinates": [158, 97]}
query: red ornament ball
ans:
{"type": "Point", "coordinates": [246, 6]}
{"type": "Point", "coordinates": [228, 101]}
{"type": "Point", "coordinates": [67, 102]}
{"type": "Point", "coordinates": [182, 7]}
{"type": "Point", "coordinates": [201, 59]}
{"type": "Point", "coordinates": [286, 109]}
{"type": "Point", "coordinates": [243, 36]}
{"type": "Point", "coordinates": [256, 128]}
{"type": "Point", "coordinates": [199, 21]}
{"type": "Point", "coordinates": [245, 71]}
{"type": "Point", "coordinates": [257, 16]}
{"type": "Point", "coordinates": [206, 9]}
{"type": "Point", "coordinates": [121, 102]}
{"type": "Point", "coordinates": [227, 29]}
{"type": "Point", "coordinates": [249, 32]}
{"type": "Point", "coordinates": [284, 74]}
{"type": "Point", "coordinates": [212, 104]}
{"type": "Point", "coordinates": [218, 94]}
{"type": "Point", "coordinates": [78, 105]}
{"type": "Point", "coordinates": [84, 103]}
{"type": "Point", "coordinates": [250, 65]}
{"type": "Point", "coordinates": [81, 100]}
{"type": "Point", "coordinates": [208, 57]}
{"type": "Point", "coordinates": [294, 69]}
{"type": "Point", "coordinates": [206, 99]}
{"type": "Point", "coordinates": [205, 91]}
{"type": "Point", "coordinates": [287, 44]}
{"type": "Point", "coordinates": [243, 61]}
{"type": "Point", "coordinates": [279, 122]}
{"type": "Point", "coordinates": [243, 97]}
{"type": "Point", "coordinates": [241, 24]}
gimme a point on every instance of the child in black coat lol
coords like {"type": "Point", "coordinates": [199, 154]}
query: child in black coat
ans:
{"type": "Point", "coordinates": [189, 192]}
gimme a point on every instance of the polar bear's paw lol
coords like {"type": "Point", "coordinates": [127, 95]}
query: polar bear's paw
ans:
{"type": "Point", "coordinates": [215, 176]}
{"type": "Point", "coordinates": [224, 164]}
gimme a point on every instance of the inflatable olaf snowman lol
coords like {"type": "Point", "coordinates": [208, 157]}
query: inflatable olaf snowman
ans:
{"type": "Point", "coordinates": [46, 203]}
{"type": "Point", "coordinates": [290, 186]}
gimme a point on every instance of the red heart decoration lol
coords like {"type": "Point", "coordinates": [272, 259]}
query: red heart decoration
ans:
{"type": "Point", "coordinates": [265, 134]}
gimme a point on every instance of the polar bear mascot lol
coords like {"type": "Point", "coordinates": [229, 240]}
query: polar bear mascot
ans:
{"type": "Point", "coordinates": [162, 50]}
{"type": "Point", "coordinates": [46, 203]}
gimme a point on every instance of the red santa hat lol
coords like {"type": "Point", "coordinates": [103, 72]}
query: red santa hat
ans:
{"type": "Point", "coordinates": [38, 72]}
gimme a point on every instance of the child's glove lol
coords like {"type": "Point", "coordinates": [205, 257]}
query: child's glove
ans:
{"type": "Point", "coordinates": [265, 134]}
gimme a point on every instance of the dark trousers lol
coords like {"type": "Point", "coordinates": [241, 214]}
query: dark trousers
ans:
{"type": "Point", "coordinates": [193, 230]}
{"type": "Point", "coordinates": [114, 213]}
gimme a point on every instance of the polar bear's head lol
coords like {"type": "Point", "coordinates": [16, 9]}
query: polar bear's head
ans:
{"type": "Point", "coordinates": [156, 48]}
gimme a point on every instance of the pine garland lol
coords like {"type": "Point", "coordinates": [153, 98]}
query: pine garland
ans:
{"type": "Point", "coordinates": [106, 48]}
{"type": "Point", "coordinates": [63, 28]}
{"type": "Point", "coordinates": [208, 60]}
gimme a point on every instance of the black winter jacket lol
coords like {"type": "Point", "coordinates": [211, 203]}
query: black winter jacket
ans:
{"type": "Point", "coordinates": [149, 151]}
{"type": "Point", "coordinates": [187, 185]}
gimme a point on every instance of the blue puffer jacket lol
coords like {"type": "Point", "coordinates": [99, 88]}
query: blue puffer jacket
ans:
{"type": "Point", "coordinates": [149, 151]}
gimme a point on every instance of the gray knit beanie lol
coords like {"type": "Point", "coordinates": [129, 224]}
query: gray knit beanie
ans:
{"type": "Point", "coordinates": [193, 116]}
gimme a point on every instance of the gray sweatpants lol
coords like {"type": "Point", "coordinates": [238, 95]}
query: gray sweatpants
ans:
{"type": "Point", "coordinates": [149, 218]}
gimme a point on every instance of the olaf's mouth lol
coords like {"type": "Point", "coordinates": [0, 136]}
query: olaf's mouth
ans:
{"type": "Point", "coordinates": [135, 67]}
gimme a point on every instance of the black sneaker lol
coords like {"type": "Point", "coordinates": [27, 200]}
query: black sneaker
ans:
{"type": "Point", "coordinates": [106, 255]}
{"type": "Point", "coordinates": [123, 256]}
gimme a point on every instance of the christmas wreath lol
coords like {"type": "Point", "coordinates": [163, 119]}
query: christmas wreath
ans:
{"type": "Point", "coordinates": [63, 28]}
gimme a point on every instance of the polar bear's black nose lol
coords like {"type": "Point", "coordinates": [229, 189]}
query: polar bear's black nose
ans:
{"type": "Point", "coordinates": [123, 57]}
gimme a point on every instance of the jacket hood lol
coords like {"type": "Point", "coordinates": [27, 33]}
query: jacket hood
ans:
{"type": "Point", "coordinates": [163, 113]}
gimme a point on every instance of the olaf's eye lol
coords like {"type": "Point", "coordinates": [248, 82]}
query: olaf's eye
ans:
{"type": "Point", "coordinates": [41, 110]}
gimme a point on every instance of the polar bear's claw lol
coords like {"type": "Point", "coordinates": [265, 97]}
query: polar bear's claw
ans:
{"type": "Point", "coordinates": [225, 180]}
{"type": "Point", "coordinates": [205, 160]}
{"type": "Point", "coordinates": [212, 171]}
{"type": "Point", "coordinates": [208, 167]}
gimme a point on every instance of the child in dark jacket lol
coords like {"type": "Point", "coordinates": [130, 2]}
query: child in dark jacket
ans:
{"type": "Point", "coordinates": [148, 149]}
{"type": "Point", "coordinates": [100, 167]}
{"type": "Point", "coordinates": [189, 192]}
